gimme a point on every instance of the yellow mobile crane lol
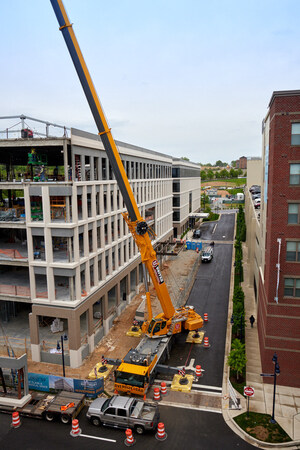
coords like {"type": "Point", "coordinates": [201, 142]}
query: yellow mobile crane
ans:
{"type": "Point", "coordinates": [171, 321]}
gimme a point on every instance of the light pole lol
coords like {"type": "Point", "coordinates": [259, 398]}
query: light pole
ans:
{"type": "Point", "coordinates": [276, 372]}
{"type": "Point", "coordinates": [274, 375]}
{"type": "Point", "coordinates": [61, 346]}
{"type": "Point", "coordinates": [235, 317]}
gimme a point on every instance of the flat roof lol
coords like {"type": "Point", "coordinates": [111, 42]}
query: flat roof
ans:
{"type": "Point", "coordinates": [283, 94]}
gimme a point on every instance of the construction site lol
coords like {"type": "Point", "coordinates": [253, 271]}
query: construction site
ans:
{"type": "Point", "coordinates": [68, 262]}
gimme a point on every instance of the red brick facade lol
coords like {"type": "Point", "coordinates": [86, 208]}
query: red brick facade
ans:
{"type": "Point", "coordinates": [279, 324]}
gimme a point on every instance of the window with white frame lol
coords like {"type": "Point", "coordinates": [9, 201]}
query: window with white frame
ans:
{"type": "Point", "coordinates": [295, 174]}
{"type": "Point", "coordinates": [295, 134]}
{"type": "Point", "coordinates": [292, 287]}
{"type": "Point", "coordinates": [293, 213]}
{"type": "Point", "coordinates": [293, 251]}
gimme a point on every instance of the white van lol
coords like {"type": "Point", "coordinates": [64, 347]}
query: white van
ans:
{"type": "Point", "coordinates": [207, 254]}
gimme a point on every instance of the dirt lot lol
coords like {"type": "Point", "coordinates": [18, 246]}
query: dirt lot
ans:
{"type": "Point", "coordinates": [116, 344]}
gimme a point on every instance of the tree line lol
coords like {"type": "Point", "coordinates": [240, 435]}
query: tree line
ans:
{"type": "Point", "coordinates": [210, 174]}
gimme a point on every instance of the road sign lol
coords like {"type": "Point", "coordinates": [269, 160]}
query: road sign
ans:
{"type": "Point", "coordinates": [249, 391]}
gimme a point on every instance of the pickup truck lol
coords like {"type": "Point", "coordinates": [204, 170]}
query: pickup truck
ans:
{"type": "Point", "coordinates": [124, 412]}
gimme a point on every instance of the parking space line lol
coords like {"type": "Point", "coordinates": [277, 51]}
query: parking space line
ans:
{"type": "Point", "coordinates": [95, 437]}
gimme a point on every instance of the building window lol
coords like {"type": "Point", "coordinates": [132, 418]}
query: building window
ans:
{"type": "Point", "coordinates": [292, 287]}
{"type": "Point", "coordinates": [295, 134]}
{"type": "Point", "coordinates": [293, 251]}
{"type": "Point", "coordinates": [295, 174]}
{"type": "Point", "coordinates": [293, 213]}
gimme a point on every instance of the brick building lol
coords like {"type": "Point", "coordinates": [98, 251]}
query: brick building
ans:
{"type": "Point", "coordinates": [241, 163]}
{"type": "Point", "coordinates": [275, 235]}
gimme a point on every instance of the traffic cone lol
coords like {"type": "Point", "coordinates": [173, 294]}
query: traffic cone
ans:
{"type": "Point", "coordinates": [163, 388]}
{"type": "Point", "coordinates": [75, 432]}
{"type": "Point", "coordinates": [206, 342]}
{"type": "Point", "coordinates": [198, 371]}
{"type": "Point", "coordinates": [16, 422]}
{"type": "Point", "coordinates": [205, 316]}
{"type": "Point", "coordinates": [161, 435]}
{"type": "Point", "coordinates": [156, 394]}
{"type": "Point", "coordinates": [129, 441]}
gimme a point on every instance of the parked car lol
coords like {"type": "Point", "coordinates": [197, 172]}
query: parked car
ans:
{"type": "Point", "coordinates": [207, 254]}
{"type": "Point", "coordinates": [124, 412]}
{"type": "Point", "coordinates": [196, 234]}
{"type": "Point", "coordinates": [254, 187]}
{"type": "Point", "coordinates": [254, 196]}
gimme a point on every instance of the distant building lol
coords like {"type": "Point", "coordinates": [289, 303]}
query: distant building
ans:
{"type": "Point", "coordinates": [241, 163]}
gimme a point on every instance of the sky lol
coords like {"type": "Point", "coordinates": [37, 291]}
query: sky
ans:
{"type": "Point", "coordinates": [188, 78]}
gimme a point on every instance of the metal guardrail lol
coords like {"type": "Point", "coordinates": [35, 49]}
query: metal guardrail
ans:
{"type": "Point", "coordinates": [235, 401]}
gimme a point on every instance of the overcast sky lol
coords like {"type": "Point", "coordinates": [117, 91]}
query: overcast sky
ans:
{"type": "Point", "coordinates": [188, 78]}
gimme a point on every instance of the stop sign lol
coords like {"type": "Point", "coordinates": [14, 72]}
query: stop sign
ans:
{"type": "Point", "coordinates": [248, 391]}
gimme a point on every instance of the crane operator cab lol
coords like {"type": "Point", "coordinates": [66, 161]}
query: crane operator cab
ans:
{"type": "Point", "coordinates": [157, 327]}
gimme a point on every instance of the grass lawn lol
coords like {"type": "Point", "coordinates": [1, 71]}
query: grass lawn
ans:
{"type": "Point", "coordinates": [259, 426]}
{"type": "Point", "coordinates": [224, 182]}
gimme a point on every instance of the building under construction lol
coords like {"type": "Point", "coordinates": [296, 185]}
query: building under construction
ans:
{"type": "Point", "coordinates": [68, 262]}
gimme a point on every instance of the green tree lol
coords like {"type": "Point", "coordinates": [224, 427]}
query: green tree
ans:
{"type": "Point", "coordinates": [203, 175]}
{"type": "Point", "coordinates": [224, 173]}
{"type": "Point", "coordinates": [217, 174]}
{"type": "Point", "coordinates": [239, 171]}
{"type": "Point", "coordinates": [204, 200]}
{"type": "Point", "coordinates": [210, 174]}
{"type": "Point", "coordinates": [237, 358]}
{"type": "Point", "coordinates": [219, 163]}
{"type": "Point", "coordinates": [185, 158]}
{"type": "Point", "coordinates": [233, 163]}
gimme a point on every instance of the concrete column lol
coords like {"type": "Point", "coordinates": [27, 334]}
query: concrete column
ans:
{"type": "Point", "coordinates": [84, 203]}
{"type": "Point", "coordinates": [92, 171]}
{"type": "Point", "coordinates": [78, 284]}
{"type": "Point", "coordinates": [101, 193]}
{"type": "Point", "coordinates": [93, 200]}
{"type": "Point", "coordinates": [87, 277]}
{"type": "Point", "coordinates": [96, 275]}
{"type": "Point", "coordinates": [74, 341]}
{"type": "Point", "coordinates": [82, 163]}
{"type": "Point", "coordinates": [27, 205]}
{"type": "Point", "coordinates": [65, 150]}
{"type": "Point", "coordinates": [118, 295]}
{"type": "Point", "coordinates": [34, 337]}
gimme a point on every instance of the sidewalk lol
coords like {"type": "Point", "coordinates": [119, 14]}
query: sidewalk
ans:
{"type": "Point", "coordinates": [287, 400]}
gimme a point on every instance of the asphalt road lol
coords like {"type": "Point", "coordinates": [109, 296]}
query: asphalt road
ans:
{"type": "Point", "coordinates": [196, 429]}
{"type": "Point", "coordinates": [210, 294]}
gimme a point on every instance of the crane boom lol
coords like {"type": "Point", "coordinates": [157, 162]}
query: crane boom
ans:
{"type": "Point", "coordinates": [136, 223]}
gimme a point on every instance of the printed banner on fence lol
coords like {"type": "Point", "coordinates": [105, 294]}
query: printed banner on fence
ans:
{"type": "Point", "coordinates": [51, 383]}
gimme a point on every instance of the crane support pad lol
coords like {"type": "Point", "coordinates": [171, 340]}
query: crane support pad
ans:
{"type": "Point", "coordinates": [97, 373]}
{"type": "Point", "coordinates": [176, 386]}
{"type": "Point", "coordinates": [195, 337]}
{"type": "Point", "coordinates": [133, 332]}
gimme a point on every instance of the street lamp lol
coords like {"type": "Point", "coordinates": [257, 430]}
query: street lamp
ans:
{"type": "Point", "coordinates": [61, 346]}
{"type": "Point", "coordinates": [274, 375]}
{"type": "Point", "coordinates": [276, 372]}
{"type": "Point", "coordinates": [241, 318]}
